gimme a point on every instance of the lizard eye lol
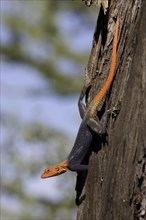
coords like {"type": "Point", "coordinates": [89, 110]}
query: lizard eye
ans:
{"type": "Point", "coordinates": [47, 170]}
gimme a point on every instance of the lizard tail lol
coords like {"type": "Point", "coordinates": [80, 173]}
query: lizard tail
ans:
{"type": "Point", "coordinates": [109, 80]}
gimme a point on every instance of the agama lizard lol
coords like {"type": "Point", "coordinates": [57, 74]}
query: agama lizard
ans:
{"type": "Point", "coordinates": [88, 125]}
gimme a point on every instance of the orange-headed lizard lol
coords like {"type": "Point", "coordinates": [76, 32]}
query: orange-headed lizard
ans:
{"type": "Point", "coordinates": [88, 125]}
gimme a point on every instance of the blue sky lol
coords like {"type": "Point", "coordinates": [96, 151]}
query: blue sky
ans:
{"type": "Point", "coordinates": [19, 81]}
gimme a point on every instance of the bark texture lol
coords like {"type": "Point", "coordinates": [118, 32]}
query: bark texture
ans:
{"type": "Point", "coordinates": [115, 186]}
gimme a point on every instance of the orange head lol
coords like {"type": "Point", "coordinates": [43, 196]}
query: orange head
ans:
{"type": "Point", "coordinates": [55, 170]}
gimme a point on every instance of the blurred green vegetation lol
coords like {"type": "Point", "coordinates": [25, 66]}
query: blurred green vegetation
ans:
{"type": "Point", "coordinates": [41, 35]}
{"type": "Point", "coordinates": [20, 165]}
{"type": "Point", "coordinates": [43, 25]}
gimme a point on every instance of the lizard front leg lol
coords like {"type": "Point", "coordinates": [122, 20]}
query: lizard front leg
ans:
{"type": "Point", "coordinates": [74, 162]}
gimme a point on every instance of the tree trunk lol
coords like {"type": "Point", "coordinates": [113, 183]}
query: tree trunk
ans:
{"type": "Point", "coordinates": [115, 186]}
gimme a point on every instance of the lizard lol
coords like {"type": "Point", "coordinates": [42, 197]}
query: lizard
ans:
{"type": "Point", "coordinates": [88, 125]}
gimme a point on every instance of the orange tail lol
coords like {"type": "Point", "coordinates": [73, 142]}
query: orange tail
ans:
{"type": "Point", "coordinates": [109, 80]}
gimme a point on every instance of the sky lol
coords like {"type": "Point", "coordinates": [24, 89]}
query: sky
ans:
{"type": "Point", "coordinates": [25, 95]}
{"type": "Point", "coordinates": [19, 81]}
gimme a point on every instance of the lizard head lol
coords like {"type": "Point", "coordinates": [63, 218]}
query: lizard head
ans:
{"type": "Point", "coordinates": [55, 170]}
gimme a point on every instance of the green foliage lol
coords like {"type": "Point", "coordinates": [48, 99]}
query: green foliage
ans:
{"type": "Point", "coordinates": [20, 166]}
{"type": "Point", "coordinates": [38, 38]}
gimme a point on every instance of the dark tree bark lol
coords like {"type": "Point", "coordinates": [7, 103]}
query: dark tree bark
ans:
{"type": "Point", "coordinates": [115, 186]}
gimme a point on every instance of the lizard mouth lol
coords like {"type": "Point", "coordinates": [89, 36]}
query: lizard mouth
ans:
{"type": "Point", "coordinates": [46, 173]}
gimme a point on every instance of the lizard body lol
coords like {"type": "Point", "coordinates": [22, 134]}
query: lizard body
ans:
{"type": "Point", "coordinates": [88, 125]}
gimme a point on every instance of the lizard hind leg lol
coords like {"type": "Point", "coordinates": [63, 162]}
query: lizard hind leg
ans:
{"type": "Point", "coordinates": [97, 126]}
{"type": "Point", "coordinates": [81, 105]}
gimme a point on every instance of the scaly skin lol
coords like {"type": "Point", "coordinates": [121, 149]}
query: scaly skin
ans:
{"type": "Point", "coordinates": [55, 170]}
{"type": "Point", "coordinates": [109, 80]}
{"type": "Point", "coordinates": [84, 136]}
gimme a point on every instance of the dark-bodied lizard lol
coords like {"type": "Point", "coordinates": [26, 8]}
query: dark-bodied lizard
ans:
{"type": "Point", "coordinates": [88, 125]}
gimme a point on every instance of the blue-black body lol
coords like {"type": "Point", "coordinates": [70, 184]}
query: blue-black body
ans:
{"type": "Point", "coordinates": [80, 148]}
